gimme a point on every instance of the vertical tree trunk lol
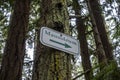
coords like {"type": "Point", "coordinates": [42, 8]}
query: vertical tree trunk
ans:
{"type": "Point", "coordinates": [83, 42]}
{"type": "Point", "coordinates": [13, 56]}
{"type": "Point", "coordinates": [99, 46]}
{"type": "Point", "coordinates": [100, 23]}
{"type": "Point", "coordinates": [102, 60]}
{"type": "Point", "coordinates": [51, 64]}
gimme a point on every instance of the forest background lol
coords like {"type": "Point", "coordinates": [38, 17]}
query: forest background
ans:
{"type": "Point", "coordinates": [95, 23]}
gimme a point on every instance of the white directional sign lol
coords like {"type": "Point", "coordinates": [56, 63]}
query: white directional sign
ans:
{"type": "Point", "coordinates": [58, 40]}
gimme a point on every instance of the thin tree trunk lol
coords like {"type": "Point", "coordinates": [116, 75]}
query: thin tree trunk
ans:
{"type": "Point", "coordinates": [13, 56]}
{"type": "Point", "coordinates": [51, 64]}
{"type": "Point", "coordinates": [99, 47]}
{"type": "Point", "coordinates": [83, 42]}
{"type": "Point", "coordinates": [100, 23]}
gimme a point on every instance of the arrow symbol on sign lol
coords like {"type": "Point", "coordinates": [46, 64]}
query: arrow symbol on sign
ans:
{"type": "Point", "coordinates": [63, 44]}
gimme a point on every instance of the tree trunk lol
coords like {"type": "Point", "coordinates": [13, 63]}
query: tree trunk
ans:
{"type": "Point", "coordinates": [13, 56]}
{"type": "Point", "coordinates": [102, 60]}
{"type": "Point", "coordinates": [99, 46]}
{"type": "Point", "coordinates": [83, 42]}
{"type": "Point", "coordinates": [100, 23]}
{"type": "Point", "coordinates": [51, 64]}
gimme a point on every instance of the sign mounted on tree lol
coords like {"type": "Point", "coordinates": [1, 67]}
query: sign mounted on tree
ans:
{"type": "Point", "coordinates": [60, 41]}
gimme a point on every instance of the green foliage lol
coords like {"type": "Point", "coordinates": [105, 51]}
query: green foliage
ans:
{"type": "Point", "coordinates": [33, 22]}
{"type": "Point", "coordinates": [110, 72]}
{"type": "Point", "coordinates": [5, 11]}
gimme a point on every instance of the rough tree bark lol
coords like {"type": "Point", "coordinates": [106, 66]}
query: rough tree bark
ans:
{"type": "Point", "coordinates": [13, 56]}
{"type": "Point", "coordinates": [83, 42]}
{"type": "Point", "coordinates": [51, 64]}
